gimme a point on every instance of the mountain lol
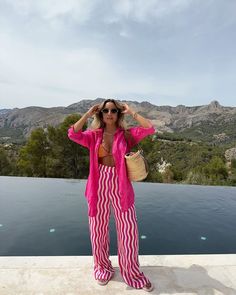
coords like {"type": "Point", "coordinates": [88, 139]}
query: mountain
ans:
{"type": "Point", "coordinates": [4, 111]}
{"type": "Point", "coordinates": [212, 122]}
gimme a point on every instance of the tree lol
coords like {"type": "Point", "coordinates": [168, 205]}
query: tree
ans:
{"type": "Point", "coordinates": [5, 166]}
{"type": "Point", "coordinates": [33, 156]}
{"type": "Point", "coordinates": [66, 158]}
{"type": "Point", "coordinates": [50, 153]}
{"type": "Point", "coordinates": [216, 170]}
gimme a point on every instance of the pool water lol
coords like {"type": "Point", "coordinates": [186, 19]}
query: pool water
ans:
{"type": "Point", "coordinates": [48, 216]}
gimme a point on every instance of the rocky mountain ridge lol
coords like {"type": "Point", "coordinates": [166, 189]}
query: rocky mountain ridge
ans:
{"type": "Point", "coordinates": [165, 118]}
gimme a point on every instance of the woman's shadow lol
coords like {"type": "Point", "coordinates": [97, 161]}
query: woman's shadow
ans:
{"type": "Point", "coordinates": [172, 280]}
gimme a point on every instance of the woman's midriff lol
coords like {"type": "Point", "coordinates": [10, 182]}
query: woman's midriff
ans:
{"type": "Point", "coordinates": [108, 161]}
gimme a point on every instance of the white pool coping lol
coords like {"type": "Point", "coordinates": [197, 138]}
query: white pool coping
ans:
{"type": "Point", "coordinates": [72, 275]}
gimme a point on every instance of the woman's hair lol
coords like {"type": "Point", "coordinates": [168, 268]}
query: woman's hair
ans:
{"type": "Point", "coordinates": [98, 117]}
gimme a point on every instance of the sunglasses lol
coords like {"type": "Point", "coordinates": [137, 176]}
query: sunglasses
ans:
{"type": "Point", "coordinates": [113, 111]}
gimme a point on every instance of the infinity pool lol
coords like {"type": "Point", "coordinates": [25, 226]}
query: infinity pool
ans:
{"type": "Point", "coordinates": [46, 216]}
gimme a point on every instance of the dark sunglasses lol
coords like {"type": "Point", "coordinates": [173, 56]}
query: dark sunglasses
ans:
{"type": "Point", "coordinates": [113, 111]}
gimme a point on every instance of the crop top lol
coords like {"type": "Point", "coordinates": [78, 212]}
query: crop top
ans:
{"type": "Point", "coordinates": [103, 152]}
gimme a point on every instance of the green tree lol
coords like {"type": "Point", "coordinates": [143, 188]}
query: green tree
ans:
{"type": "Point", "coordinates": [50, 153]}
{"type": "Point", "coordinates": [232, 176]}
{"type": "Point", "coordinates": [154, 176]}
{"type": "Point", "coordinates": [215, 170]}
{"type": "Point", "coordinates": [196, 176]}
{"type": "Point", "coordinates": [5, 166]}
{"type": "Point", "coordinates": [212, 173]}
{"type": "Point", "coordinates": [233, 164]}
{"type": "Point", "coordinates": [33, 156]}
{"type": "Point", "coordinates": [66, 158]}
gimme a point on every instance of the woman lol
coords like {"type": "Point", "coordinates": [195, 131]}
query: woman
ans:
{"type": "Point", "coordinates": [108, 140]}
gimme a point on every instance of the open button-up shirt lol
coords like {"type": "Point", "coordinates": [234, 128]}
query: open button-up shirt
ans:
{"type": "Point", "coordinates": [91, 139]}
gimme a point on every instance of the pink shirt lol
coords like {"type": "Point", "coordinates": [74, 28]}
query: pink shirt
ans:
{"type": "Point", "coordinates": [91, 139]}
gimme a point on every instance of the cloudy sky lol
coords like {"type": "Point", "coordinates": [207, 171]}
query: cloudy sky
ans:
{"type": "Point", "coordinates": [167, 52]}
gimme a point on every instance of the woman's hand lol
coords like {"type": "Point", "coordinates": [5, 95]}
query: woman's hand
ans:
{"type": "Point", "coordinates": [127, 109]}
{"type": "Point", "coordinates": [142, 121]}
{"type": "Point", "coordinates": [93, 110]}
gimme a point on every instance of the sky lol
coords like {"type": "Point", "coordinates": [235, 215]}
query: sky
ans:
{"type": "Point", "coordinates": [166, 52]}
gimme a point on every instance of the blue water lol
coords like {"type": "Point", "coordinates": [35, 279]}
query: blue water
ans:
{"type": "Point", "coordinates": [45, 216]}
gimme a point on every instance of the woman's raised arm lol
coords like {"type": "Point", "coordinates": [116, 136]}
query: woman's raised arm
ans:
{"type": "Point", "coordinates": [80, 123]}
{"type": "Point", "coordinates": [142, 121]}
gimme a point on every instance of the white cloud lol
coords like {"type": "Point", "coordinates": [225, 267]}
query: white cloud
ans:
{"type": "Point", "coordinates": [46, 74]}
{"type": "Point", "coordinates": [125, 34]}
{"type": "Point", "coordinates": [55, 50]}
{"type": "Point", "coordinates": [84, 10]}
{"type": "Point", "coordinates": [78, 10]}
{"type": "Point", "coordinates": [44, 66]}
{"type": "Point", "coordinates": [145, 11]}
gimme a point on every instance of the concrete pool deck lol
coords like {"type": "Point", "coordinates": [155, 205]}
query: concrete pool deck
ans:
{"type": "Point", "coordinates": [72, 275]}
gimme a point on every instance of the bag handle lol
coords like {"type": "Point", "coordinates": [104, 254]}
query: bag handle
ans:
{"type": "Point", "coordinates": [129, 136]}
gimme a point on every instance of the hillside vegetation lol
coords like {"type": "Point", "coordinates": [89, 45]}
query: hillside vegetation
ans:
{"type": "Point", "coordinates": [172, 157]}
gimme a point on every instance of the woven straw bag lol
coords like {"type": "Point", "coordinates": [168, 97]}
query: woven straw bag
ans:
{"type": "Point", "coordinates": [136, 164]}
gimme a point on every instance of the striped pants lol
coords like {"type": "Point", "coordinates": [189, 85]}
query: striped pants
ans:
{"type": "Point", "coordinates": [127, 233]}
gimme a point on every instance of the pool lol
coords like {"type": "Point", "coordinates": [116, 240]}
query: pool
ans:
{"type": "Point", "coordinates": [48, 216]}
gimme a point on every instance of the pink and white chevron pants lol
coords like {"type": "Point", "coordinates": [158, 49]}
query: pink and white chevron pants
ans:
{"type": "Point", "coordinates": [127, 233]}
